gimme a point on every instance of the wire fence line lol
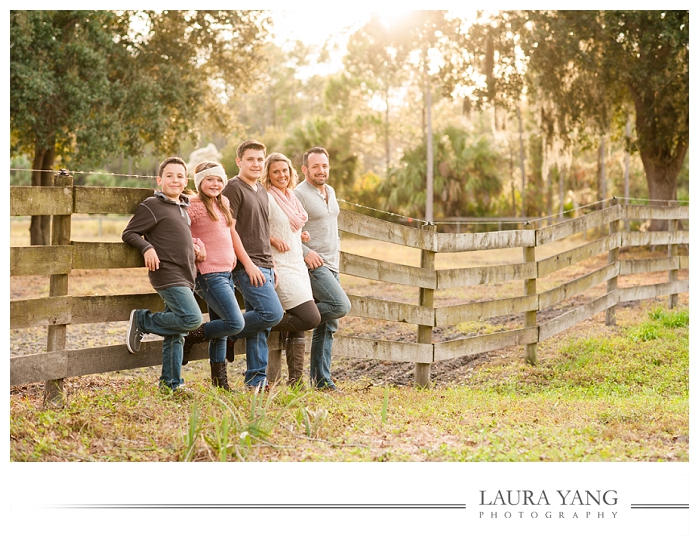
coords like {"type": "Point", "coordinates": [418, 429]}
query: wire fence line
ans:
{"type": "Point", "coordinates": [467, 220]}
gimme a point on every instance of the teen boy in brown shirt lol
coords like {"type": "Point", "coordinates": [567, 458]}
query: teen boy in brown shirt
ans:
{"type": "Point", "coordinates": [254, 274]}
{"type": "Point", "coordinates": [160, 230]}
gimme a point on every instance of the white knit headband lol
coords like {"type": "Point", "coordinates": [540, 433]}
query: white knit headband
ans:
{"type": "Point", "coordinates": [216, 171]}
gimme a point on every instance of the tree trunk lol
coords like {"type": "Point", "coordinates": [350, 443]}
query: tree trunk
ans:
{"type": "Point", "coordinates": [388, 134]}
{"type": "Point", "coordinates": [662, 183]}
{"type": "Point", "coordinates": [40, 225]}
{"type": "Point", "coordinates": [549, 198]}
{"type": "Point", "coordinates": [662, 160]}
{"type": "Point", "coordinates": [521, 159]}
{"type": "Point", "coordinates": [429, 209]}
{"type": "Point", "coordinates": [601, 174]}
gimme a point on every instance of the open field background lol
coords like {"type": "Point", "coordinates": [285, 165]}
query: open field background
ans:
{"type": "Point", "coordinates": [598, 393]}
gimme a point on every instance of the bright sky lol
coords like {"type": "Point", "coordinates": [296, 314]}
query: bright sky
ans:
{"type": "Point", "coordinates": [315, 26]}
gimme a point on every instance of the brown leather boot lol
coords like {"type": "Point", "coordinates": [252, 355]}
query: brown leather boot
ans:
{"type": "Point", "coordinates": [219, 375]}
{"type": "Point", "coordinates": [295, 348]}
{"type": "Point", "coordinates": [194, 337]}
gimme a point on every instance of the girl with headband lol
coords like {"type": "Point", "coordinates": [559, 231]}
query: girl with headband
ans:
{"type": "Point", "coordinates": [212, 222]}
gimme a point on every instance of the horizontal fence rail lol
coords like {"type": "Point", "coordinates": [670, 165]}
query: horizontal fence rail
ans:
{"type": "Point", "coordinates": [60, 310]}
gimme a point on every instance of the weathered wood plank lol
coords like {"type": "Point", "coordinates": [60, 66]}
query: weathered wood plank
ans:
{"type": "Point", "coordinates": [639, 266]}
{"type": "Point", "coordinates": [486, 342]}
{"type": "Point", "coordinates": [643, 292]}
{"type": "Point", "coordinates": [632, 239]}
{"type": "Point", "coordinates": [118, 201]}
{"type": "Point", "coordinates": [577, 315]}
{"type": "Point", "coordinates": [390, 232]}
{"type": "Point", "coordinates": [41, 367]}
{"type": "Point", "coordinates": [573, 256]}
{"type": "Point", "coordinates": [370, 268]}
{"type": "Point", "coordinates": [577, 286]}
{"type": "Point", "coordinates": [480, 311]}
{"type": "Point", "coordinates": [461, 277]}
{"type": "Point", "coordinates": [645, 212]}
{"type": "Point", "coordinates": [453, 243]}
{"type": "Point", "coordinates": [577, 225]}
{"type": "Point", "coordinates": [106, 308]}
{"type": "Point", "coordinates": [40, 200]}
{"type": "Point", "coordinates": [38, 367]}
{"type": "Point", "coordinates": [38, 312]}
{"type": "Point", "coordinates": [373, 308]}
{"type": "Point", "coordinates": [684, 262]}
{"type": "Point", "coordinates": [383, 350]}
{"type": "Point", "coordinates": [41, 260]}
{"type": "Point", "coordinates": [90, 256]}
{"type": "Point", "coordinates": [77, 310]}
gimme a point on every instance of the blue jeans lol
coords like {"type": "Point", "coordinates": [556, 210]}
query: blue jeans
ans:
{"type": "Point", "coordinates": [225, 318]}
{"type": "Point", "coordinates": [262, 311]}
{"type": "Point", "coordinates": [181, 315]}
{"type": "Point", "coordinates": [332, 304]}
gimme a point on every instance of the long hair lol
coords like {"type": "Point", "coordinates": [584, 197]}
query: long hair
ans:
{"type": "Point", "coordinates": [273, 158]}
{"type": "Point", "coordinates": [207, 201]}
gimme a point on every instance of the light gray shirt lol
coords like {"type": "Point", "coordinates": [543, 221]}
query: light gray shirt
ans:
{"type": "Point", "coordinates": [321, 224]}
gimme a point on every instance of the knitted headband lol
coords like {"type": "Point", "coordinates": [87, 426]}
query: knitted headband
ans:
{"type": "Point", "coordinates": [216, 171]}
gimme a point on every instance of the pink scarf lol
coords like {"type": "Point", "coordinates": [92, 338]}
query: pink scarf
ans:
{"type": "Point", "coordinates": [290, 204]}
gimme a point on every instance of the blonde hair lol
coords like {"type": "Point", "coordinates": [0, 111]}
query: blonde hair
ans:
{"type": "Point", "coordinates": [273, 158]}
{"type": "Point", "coordinates": [207, 201]}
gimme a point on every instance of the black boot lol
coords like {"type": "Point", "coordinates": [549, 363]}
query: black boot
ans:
{"type": "Point", "coordinates": [194, 337]}
{"type": "Point", "coordinates": [230, 349]}
{"type": "Point", "coordinates": [219, 375]}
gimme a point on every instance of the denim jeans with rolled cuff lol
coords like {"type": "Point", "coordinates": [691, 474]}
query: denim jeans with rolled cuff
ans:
{"type": "Point", "coordinates": [225, 318]}
{"type": "Point", "coordinates": [262, 311]}
{"type": "Point", "coordinates": [332, 304]}
{"type": "Point", "coordinates": [181, 315]}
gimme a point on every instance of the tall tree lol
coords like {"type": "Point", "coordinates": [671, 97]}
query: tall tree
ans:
{"type": "Point", "coordinates": [86, 84]}
{"type": "Point", "coordinates": [592, 64]}
{"type": "Point", "coordinates": [467, 181]}
{"type": "Point", "coordinates": [376, 61]}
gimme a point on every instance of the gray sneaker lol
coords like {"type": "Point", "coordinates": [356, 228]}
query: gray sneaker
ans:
{"type": "Point", "coordinates": [133, 334]}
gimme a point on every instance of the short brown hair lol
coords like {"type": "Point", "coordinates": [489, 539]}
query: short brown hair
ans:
{"type": "Point", "coordinates": [168, 161]}
{"type": "Point", "coordinates": [247, 145]}
{"type": "Point", "coordinates": [315, 150]}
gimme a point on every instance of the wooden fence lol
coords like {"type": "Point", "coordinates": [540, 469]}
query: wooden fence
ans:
{"type": "Point", "coordinates": [60, 309]}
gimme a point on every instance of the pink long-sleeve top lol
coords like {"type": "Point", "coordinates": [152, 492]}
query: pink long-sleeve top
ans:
{"type": "Point", "coordinates": [216, 235]}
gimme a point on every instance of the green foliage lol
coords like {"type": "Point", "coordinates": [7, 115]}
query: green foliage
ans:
{"type": "Point", "coordinates": [192, 434]}
{"type": "Point", "coordinates": [338, 142]}
{"type": "Point", "coordinates": [670, 319]}
{"type": "Point", "coordinates": [86, 84]}
{"type": "Point", "coordinates": [585, 70]}
{"type": "Point", "coordinates": [466, 182]}
{"type": "Point", "coordinates": [384, 408]}
{"type": "Point", "coordinates": [22, 177]}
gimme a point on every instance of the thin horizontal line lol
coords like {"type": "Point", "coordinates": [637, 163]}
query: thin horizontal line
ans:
{"type": "Point", "coordinates": [659, 506]}
{"type": "Point", "coordinates": [258, 506]}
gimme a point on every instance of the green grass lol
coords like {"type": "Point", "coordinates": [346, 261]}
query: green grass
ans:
{"type": "Point", "coordinates": [618, 395]}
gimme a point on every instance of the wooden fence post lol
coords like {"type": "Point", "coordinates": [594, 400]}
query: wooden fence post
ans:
{"type": "Point", "coordinates": [529, 256]}
{"type": "Point", "coordinates": [274, 357]}
{"type": "Point", "coordinates": [612, 258]}
{"type": "Point", "coordinates": [54, 394]}
{"type": "Point", "coordinates": [424, 332]}
{"type": "Point", "coordinates": [672, 226]}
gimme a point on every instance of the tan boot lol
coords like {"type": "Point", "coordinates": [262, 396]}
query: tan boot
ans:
{"type": "Point", "coordinates": [295, 348]}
